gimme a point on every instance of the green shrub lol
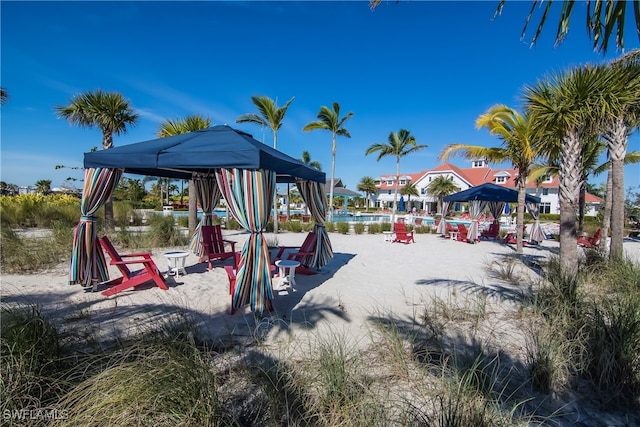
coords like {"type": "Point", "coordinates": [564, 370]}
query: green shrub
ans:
{"type": "Point", "coordinates": [183, 221]}
{"type": "Point", "coordinates": [330, 226]}
{"type": "Point", "coordinates": [295, 226]}
{"type": "Point", "coordinates": [343, 227]}
{"type": "Point", "coordinates": [163, 232]}
{"type": "Point", "coordinates": [373, 228]}
{"type": "Point", "coordinates": [385, 226]}
{"type": "Point", "coordinates": [358, 228]}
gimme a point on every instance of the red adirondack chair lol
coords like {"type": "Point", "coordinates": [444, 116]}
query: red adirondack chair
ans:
{"type": "Point", "coordinates": [402, 235]}
{"type": "Point", "coordinates": [130, 278]}
{"type": "Point", "coordinates": [591, 242]}
{"type": "Point", "coordinates": [214, 245]}
{"type": "Point", "coordinates": [462, 233]}
{"type": "Point", "coordinates": [492, 233]}
{"type": "Point", "coordinates": [512, 238]}
{"type": "Point", "coordinates": [302, 254]}
{"type": "Point", "coordinates": [450, 229]}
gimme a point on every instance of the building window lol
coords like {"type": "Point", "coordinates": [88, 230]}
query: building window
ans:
{"type": "Point", "coordinates": [403, 182]}
{"type": "Point", "coordinates": [545, 191]}
{"type": "Point", "coordinates": [547, 178]}
{"type": "Point", "coordinates": [478, 163]}
{"type": "Point", "coordinates": [501, 179]}
{"type": "Point", "coordinates": [389, 192]}
{"type": "Point", "coordinates": [423, 190]}
{"type": "Point", "coordinates": [545, 208]}
{"type": "Point", "coordinates": [389, 182]}
{"type": "Point", "coordinates": [429, 179]}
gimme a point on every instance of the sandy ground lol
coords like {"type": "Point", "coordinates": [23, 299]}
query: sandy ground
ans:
{"type": "Point", "coordinates": [367, 279]}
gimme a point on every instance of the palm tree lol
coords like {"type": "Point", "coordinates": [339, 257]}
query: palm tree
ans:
{"type": "Point", "coordinates": [368, 185]}
{"type": "Point", "coordinates": [108, 111]}
{"type": "Point", "coordinates": [620, 114]}
{"type": "Point", "coordinates": [518, 147]}
{"type": "Point", "coordinates": [399, 145]}
{"type": "Point", "coordinates": [179, 126]}
{"type": "Point", "coordinates": [4, 96]}
{"type": "Point", "coordinates": [270, 115]}
{"type": "Point", "coordinates": [605, 19]}
{"type": "Point", "coordinates": [409, 190]}
{"type": "Point", "coordinates": [43, 186]}
{"type": "Point", "coordinates": [440, 187]}
{"type": "Point", "coordinates": [563, 107]}
{"type": "Point", "coordinates": [306, 159]}
{"type": "Point", "coordinates": [330, 120]}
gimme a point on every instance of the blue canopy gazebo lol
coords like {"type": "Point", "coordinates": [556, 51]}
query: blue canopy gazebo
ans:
{"type": "Point", "coordinates": [495, 196]}
{"type": "Point", "coordinates": [224, 162]}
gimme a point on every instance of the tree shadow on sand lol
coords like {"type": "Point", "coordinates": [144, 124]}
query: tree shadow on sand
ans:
{"type": "Point", "coordinates": [104, 320]}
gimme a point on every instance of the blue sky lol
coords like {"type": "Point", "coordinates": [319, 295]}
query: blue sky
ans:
{"type": "Point", "coordinates": [429, 67]}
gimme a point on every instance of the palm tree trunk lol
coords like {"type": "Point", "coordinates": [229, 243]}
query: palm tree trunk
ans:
{"type": "Point", "coordinates": [333, 174]}
{"type": "Point", "coordinates": [522, 192]}
{"type": "Point", "coordinates": [606, 219]}
{"type": "Point", "coordinates": [107, 142]}
{"type": "Point", "coordinates": [395, 194]}
{"type": "Point", "coordinates": [193, 207]}
{"type": "Point", "coordinates": [581, 203]}
{"type": "Point", "coordinates": [570, 175]}
{"type": "Point", "coordinates": [617, 151]}
{"type": "Point", "coordinates": [275, 196]}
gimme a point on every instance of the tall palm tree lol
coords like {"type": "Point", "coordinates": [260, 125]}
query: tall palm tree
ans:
{"type": "Point", "coordinates": [368, 185]}
{"type": "Point", "coordinates": [330, 120]}
{"type": "Point", "coordinates": [409, 190]}
{"type": "Point", "coordinates": [603, 21]}
{"type": "Point", "coordinates": [179, 126]}
{"type": "Point", "coordinates": [108, 111]}
{"type": "Point", "coordinates": [4, 96]}
{"type": "Point", "coordinates": [399, 144]}
{"type": "Point", "coordinates": [270, 115]}
{"type": "Point", "coordinates": [620, 114]}
{"type": "Point", "coordinates": [440, 187]}
{"type": "Point", "coordinates": [564, 107]}
{"type": "Point", "coordinates": [518, 147]}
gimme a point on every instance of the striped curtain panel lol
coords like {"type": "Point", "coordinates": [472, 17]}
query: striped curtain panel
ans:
{"type": "Point", "coordinates": [314, 197]}
{"type": "Point", "coordinates": [208, 195]}
{"type": "Point", "coordinates": [476, 207]}
{"type": "Point", "coordinates": [88, 265]}
{"type": "Point", "coordinates": [537, 233]}
{"type": "Point", "coordinates": [249, 194]}
{"type": "Point", "coordinates": [496, 209]}
{"type": "Point", "coordinates": [442, 227]}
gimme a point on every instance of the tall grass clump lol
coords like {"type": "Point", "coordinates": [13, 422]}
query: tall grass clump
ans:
{"type": "Point", "coordinates": [338, 388]}
{"type": "Point", "coordinates": [343, 227]}
{"type": "Point", "coordinates": [163, 381]}
{"type": "Point", "coordinates": [21, 254]}
{"type": "Point", "coordinates": [373, 228]}
{"type": "Point", "coordinates": [330, 226]}
{"type": "Point", "coordinates": [163, 232]}
{"type": "Point", "coordinates": [358, 228]}
{"type": "Point", "coordinates": [385, 226]}
{"type": "Point", "coordinates": [30, 352]}
{"type": "Point", "coordinates": [590, 330]}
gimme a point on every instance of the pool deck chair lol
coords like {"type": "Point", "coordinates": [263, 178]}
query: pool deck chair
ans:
{"type": "Point", "coordinates": [130, 278]}
{"type": "Point", "coordinates": [215, 246]}
{"type": "Point", "coordinates": [302, 253]}
{"type": "Point", "coordinates": [402, 235]}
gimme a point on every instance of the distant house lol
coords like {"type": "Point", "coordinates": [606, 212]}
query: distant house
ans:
{"type": "Point", "coordinates": [464, 178]}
